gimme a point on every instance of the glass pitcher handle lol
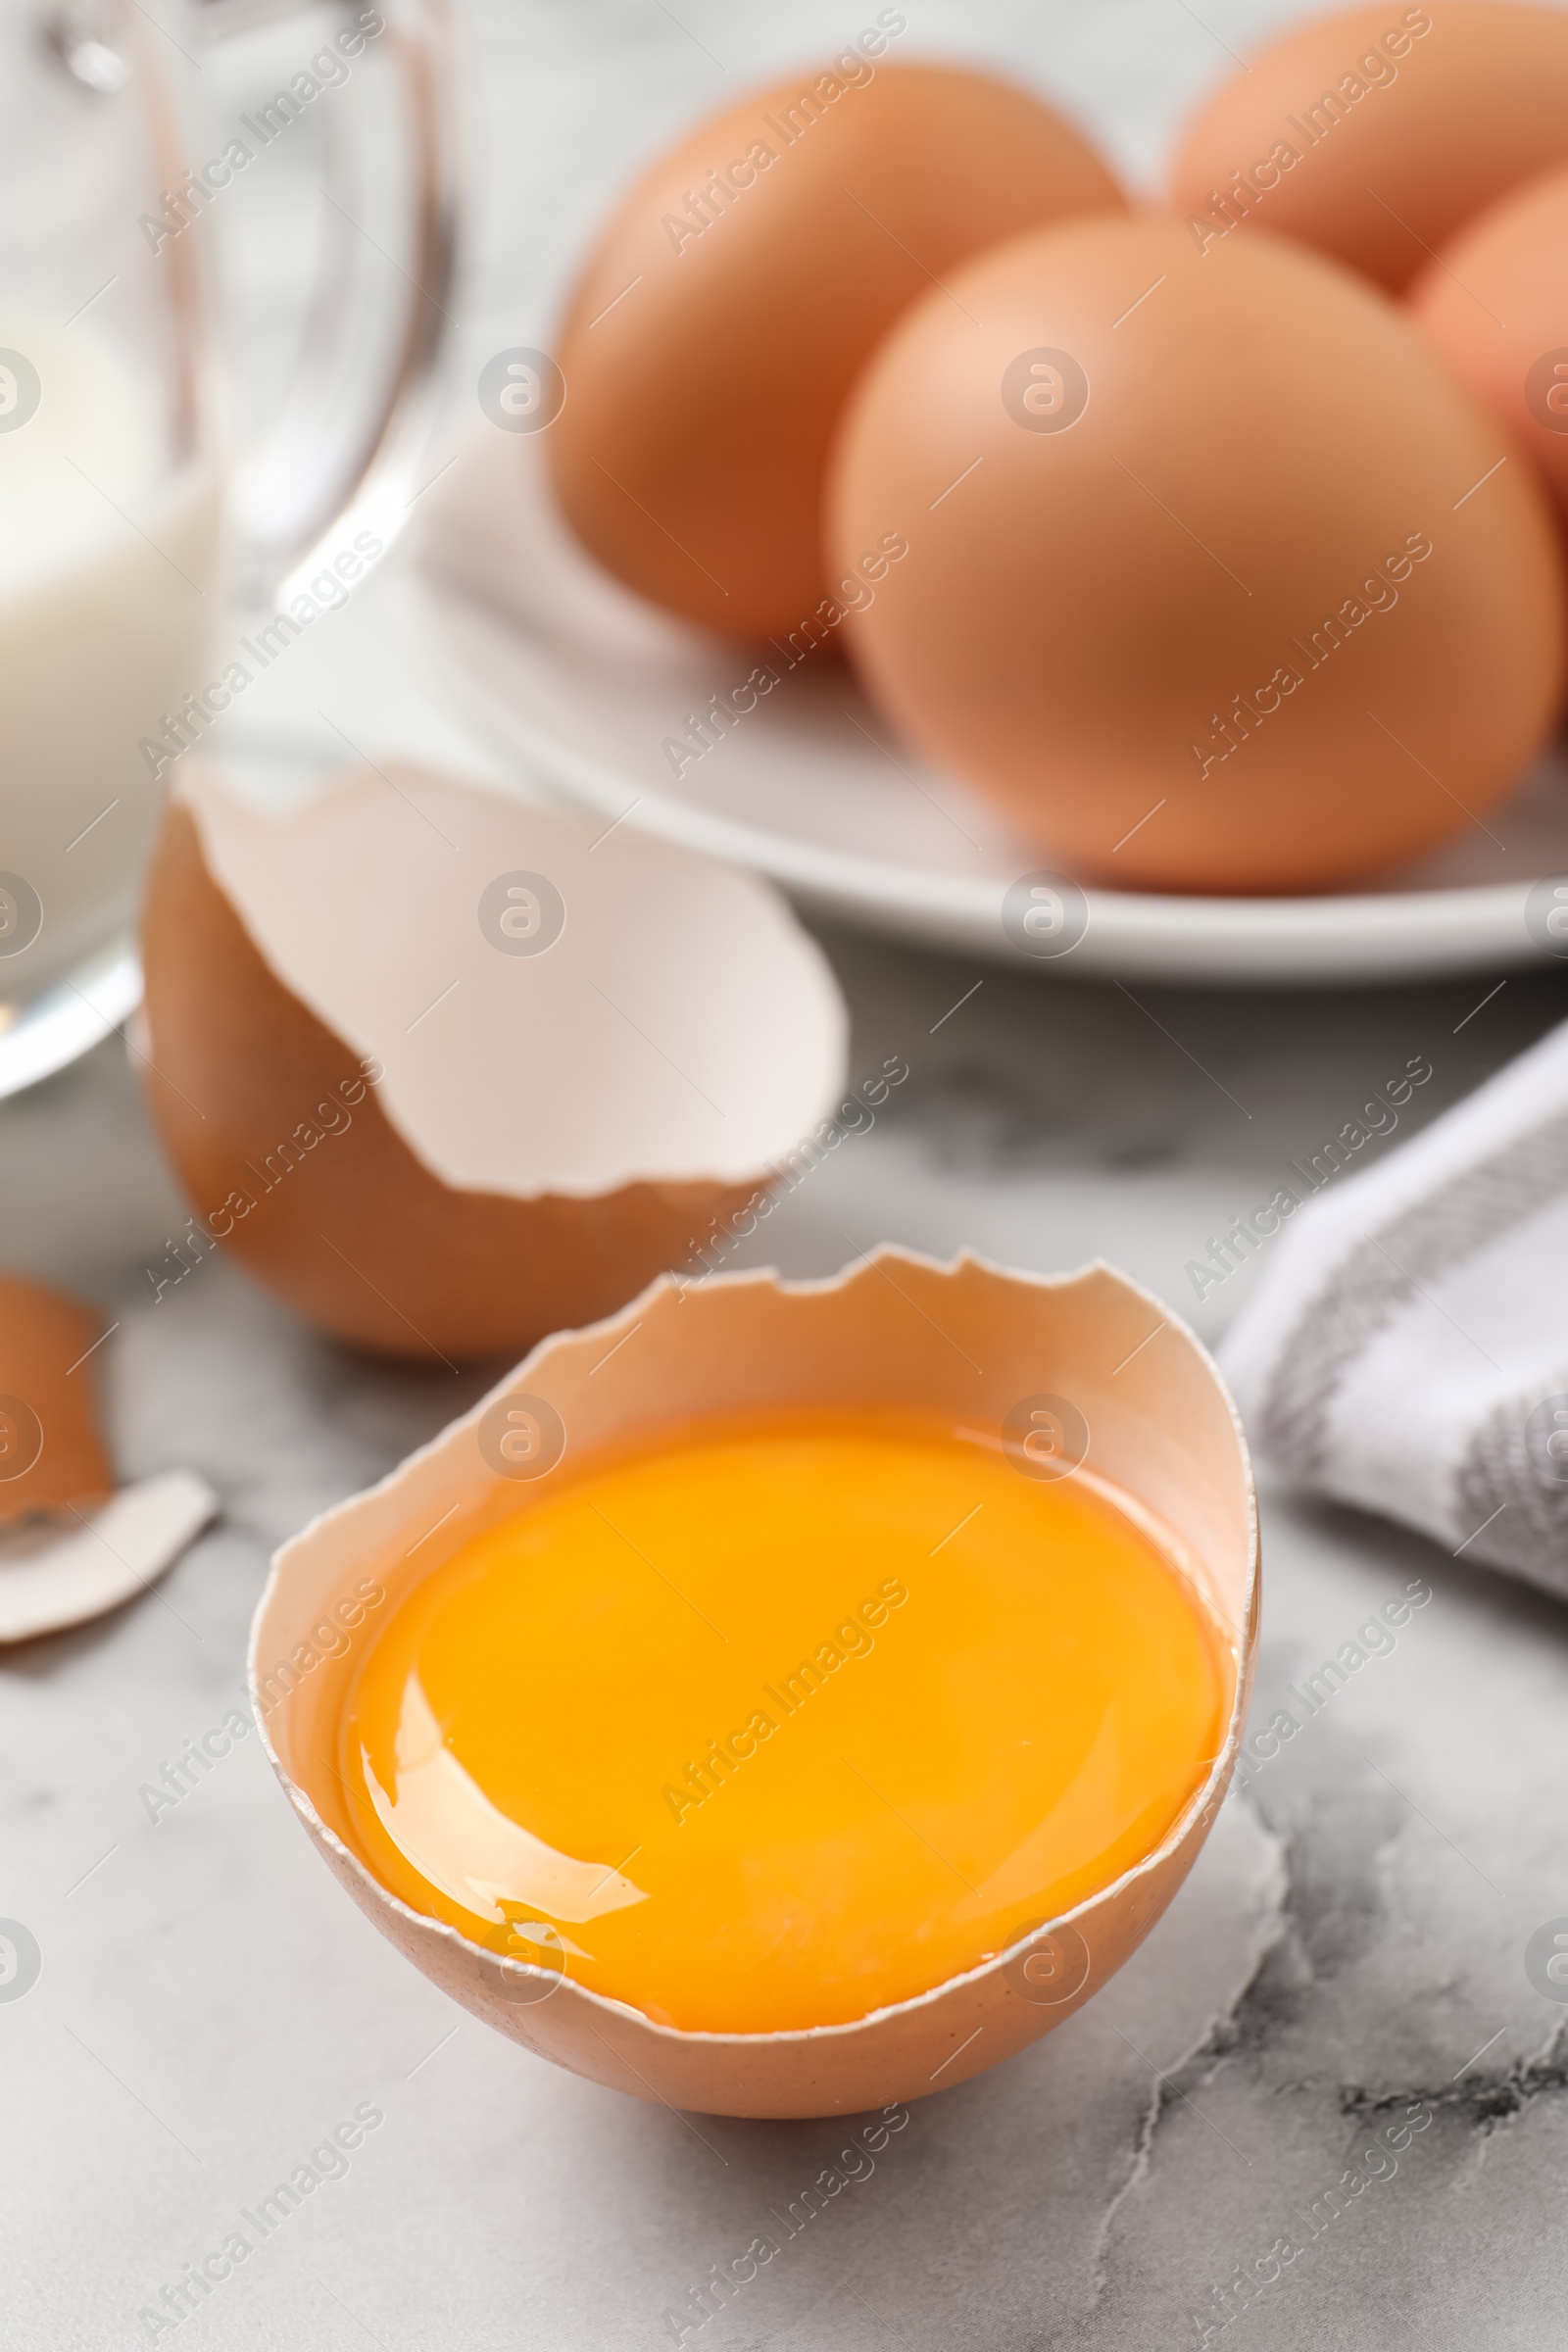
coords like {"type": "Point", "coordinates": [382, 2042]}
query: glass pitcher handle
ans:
{"type": "Point", "coordinates": [325, 467]}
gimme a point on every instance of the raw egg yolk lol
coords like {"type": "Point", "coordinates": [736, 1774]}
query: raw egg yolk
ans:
{"type": "Point", "coordinates": [784, 1719]}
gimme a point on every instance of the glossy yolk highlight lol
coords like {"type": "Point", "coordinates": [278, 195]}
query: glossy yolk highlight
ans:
{"type": "Point", "coordinates": [783, 1721]}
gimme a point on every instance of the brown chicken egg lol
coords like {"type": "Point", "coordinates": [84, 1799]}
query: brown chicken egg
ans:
{"type": "Point", "coordinates": [1216, 580]}
{"type": "Point", "coordinates": [1375, 132]}
{"type": "Point", "coordinates": [1494, 302]}
{"type": "Point", "coordinates": [446, 1072]}
{"type": "Point", "coordinates": [732, 299]}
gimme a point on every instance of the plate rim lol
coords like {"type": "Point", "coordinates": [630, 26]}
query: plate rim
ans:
{"type": "Point", "coordinates": [1321, 938]}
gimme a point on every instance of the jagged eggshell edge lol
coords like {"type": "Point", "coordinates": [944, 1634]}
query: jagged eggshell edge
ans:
{"type": "Point", "coordinates": [966, 1337]}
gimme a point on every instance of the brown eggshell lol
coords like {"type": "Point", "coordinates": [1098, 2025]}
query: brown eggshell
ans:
{"type": "Point", "coordinates": [1374, 133]}
{"type": "Point", "coordinates": [358, 1230]}
{"type": "Point", "coordinates": [51, 1455]}
{"type": "Point", "coordinates": [705, 365]}
{"type": "Point", "coordinates": [1175, 620]}
{"type": "Point", "coordinates": [1495, 303]}
{"type": "Point", "coordinates": [966, 1339]}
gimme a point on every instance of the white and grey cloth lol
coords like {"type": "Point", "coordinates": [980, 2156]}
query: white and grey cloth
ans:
{"type": "Point", "coordinates": [1407, 1347]}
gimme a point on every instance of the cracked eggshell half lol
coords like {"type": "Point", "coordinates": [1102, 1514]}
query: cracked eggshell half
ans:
{"type": "Point", "coordinates": [445, 1073]}
{"type": "Point", "coordinates": [896, 1329]}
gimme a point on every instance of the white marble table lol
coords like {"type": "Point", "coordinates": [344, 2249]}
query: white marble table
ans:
{"type": "Point", "coordinates": [1349, 1947]}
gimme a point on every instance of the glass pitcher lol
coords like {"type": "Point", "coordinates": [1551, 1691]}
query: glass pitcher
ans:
{"type": "Point", "coordinates": [133, 514]}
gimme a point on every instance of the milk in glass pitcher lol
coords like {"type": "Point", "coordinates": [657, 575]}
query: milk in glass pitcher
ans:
{"type": "Point", "coordinates": [129, 517]}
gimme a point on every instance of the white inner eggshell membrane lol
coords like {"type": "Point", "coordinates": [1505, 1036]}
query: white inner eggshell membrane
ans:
{"type": "Point", "coordinates": [681, 1027]}
{"type": "Point", "coordinates": [55, 1572]}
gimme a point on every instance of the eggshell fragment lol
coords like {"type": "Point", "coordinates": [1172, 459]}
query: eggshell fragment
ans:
{"type": "Point", "coordinates": [966, 1339]}
{"type": "Point", "coordinates": [444, 1072]}
{"type": "Point", "coordinates": [53, 1576]}
{"type": "Point", "coordinates": [1495, 303]}
{"type": "Point", "coordinates": [735, 294]}
{"type": "Point", "coordinates": [51, 1455]}
{"type": "Point", "coordinates": [1216, 582]}
{"type": "Point", "coordinates": [1374, 133]}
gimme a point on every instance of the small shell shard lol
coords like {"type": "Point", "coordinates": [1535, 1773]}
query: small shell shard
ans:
{"type": "Point", "coordinates": [51, 1455]}
{"type": "Point", "coordinates": [54, 1574]}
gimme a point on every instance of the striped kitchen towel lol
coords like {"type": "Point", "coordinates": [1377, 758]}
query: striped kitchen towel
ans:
{"type": "Point", "coordinates": [1407, 1348]}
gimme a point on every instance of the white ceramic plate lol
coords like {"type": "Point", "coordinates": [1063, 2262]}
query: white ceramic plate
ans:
{"type": "Point", "coordinates": [585, 685]}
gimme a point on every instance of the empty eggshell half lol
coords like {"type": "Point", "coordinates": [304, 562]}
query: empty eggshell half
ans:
{"type": "Point", "coordinates": [446, 1072]}
{"type": "Point", "coordinates": [966, 1339]}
